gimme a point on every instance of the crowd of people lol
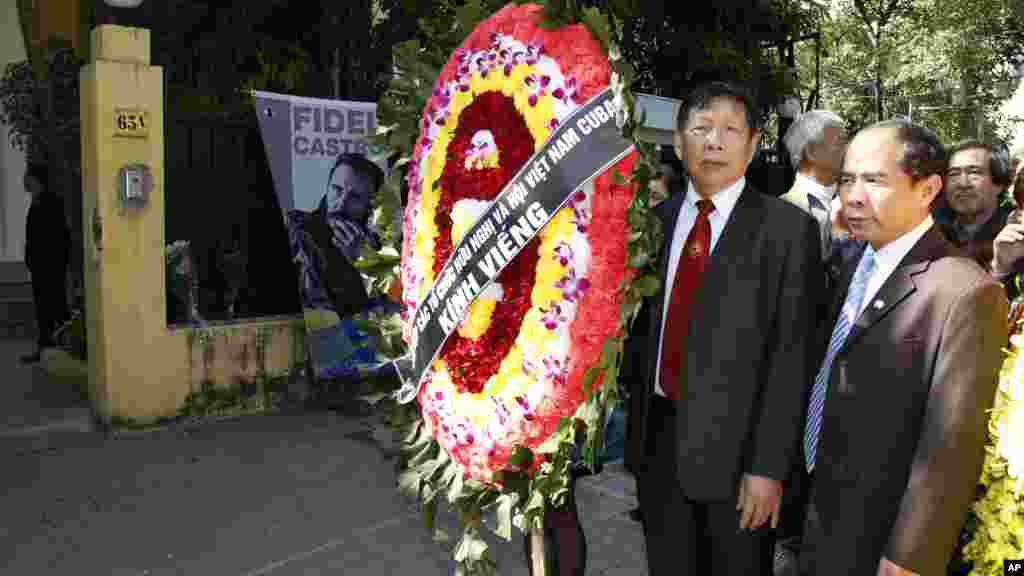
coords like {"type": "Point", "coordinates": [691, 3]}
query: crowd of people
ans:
{"type": "Point", "coordinates": [812, 382]}
{"type": "Point", "coordinates": [846, 434]}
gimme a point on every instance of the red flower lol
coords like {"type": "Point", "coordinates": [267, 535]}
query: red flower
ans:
{"type": "Point", "coordinates": [472, 362]}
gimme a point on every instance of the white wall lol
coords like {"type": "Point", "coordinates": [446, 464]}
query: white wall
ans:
{"type": "Point", "coordinates": [13, 200]}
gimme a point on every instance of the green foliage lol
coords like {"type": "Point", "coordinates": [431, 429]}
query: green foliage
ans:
{"type": "Point", "coordinates": [264, 394]}
{"type": "Point", "coordinates": [71, 335]}
{"type": "Point", "coordinates": [23, 110]}
{"type": "Point", "coordinates": [279, 68]}
{"type": "Point", "coordinates": [946, 63]}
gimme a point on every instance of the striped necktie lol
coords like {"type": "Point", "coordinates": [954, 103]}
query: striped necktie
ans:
{"type": "Point", "coordinates": [847, 316]}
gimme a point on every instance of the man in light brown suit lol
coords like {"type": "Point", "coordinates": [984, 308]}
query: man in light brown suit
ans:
{"type": "Point", "coordinates": [897, 421]}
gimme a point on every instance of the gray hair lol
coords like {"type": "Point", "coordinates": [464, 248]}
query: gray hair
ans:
{"type": "Point", "coordinates": [809, 130]}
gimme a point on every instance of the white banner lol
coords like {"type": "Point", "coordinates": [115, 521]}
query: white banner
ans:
{"type": "Point", "coordinates": [303, 138]}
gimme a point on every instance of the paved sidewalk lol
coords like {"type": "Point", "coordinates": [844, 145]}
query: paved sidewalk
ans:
{"type": "Point", "coordinates": [36, 413]}
{"type": "Point", "coordinates": [277, 495]}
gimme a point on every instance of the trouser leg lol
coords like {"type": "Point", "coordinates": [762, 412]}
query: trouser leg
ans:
{"type": "Point", "coordinates": [671, 525]}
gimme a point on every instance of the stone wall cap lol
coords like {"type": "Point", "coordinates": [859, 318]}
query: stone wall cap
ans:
{"type": "Point", "coordinates": [114, 43]}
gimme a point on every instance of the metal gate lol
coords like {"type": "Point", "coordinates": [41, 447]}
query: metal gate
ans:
{"type": "Point", "coordinates": [220, 198]}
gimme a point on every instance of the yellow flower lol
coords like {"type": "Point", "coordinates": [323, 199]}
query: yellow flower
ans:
{"type": "Point", "coordinates": [478, 318]}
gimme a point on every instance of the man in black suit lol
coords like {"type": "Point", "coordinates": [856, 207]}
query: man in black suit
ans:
{"type": "Point", "coordinates": [327, 241]}
{"type": "Point", "coordinates": [717, 413]}
{"type": "Point", "coordinates": [897, 420]}
{"type": "Point", "coordinates": [47, 251]}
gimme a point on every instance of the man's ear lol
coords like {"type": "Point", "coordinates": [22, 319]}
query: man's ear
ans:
{"type": "Point", "coordinates": [810, 152]}
{"type": "Point", "coordinates": [677, 145]}
{"type": "Point", "coordinates": [930, 188]}
{"type": "Point", "coordinates": [755, 138]}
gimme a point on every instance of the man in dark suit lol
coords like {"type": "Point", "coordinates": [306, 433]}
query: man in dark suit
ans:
{"type": "Point", "coordinates": [717, 413]}
{"type": "Point", "coordinates": [897, 420]}
{"type": "Point", "coordinates": [47, 251]}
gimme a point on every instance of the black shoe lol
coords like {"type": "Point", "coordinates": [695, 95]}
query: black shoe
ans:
{"type": "Point", "coordinates": [29, 358]}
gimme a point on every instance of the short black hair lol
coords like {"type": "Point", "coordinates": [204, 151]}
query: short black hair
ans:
{"type": "Point", "coordinates": [362, 165]}
{"type": "Point", "coordinates": [998, 158]}
{"type": "Point", "coordinates": [702, 95]}
{"type": "Point", "coordinates": [923, 152]}
{"type": "Point", "coordinates": [38, 172]}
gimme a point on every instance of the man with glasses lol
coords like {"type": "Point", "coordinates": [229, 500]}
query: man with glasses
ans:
{"type": "Point", "coordinates": [978, 173]}
{"type": "Point", "coordinates": [717, 405]}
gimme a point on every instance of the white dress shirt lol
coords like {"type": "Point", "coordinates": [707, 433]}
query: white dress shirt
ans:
{"type": "Point", "coordinates": [819, 203]}
{"type": "Point", "coordinates": [724, 201]}
{"type": "Point", "coordinates": [889, 257]}
{"type": "Point", "coordinates": [823, 194]}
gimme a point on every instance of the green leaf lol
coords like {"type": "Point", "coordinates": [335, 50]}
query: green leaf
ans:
{"type": "Point", "coordinates": [441, 536]}
{"type": "Point", "coordinates": [471, 548]}
{"type": "Point", "coordinates": [455, 489]}
{"type": "Point", "coordinates": [588, 380]}
{"type": "Point", "coordinates": [409, 483]}
{"type": "Point", "coordinates": [535, 504]}
{"type": "Point", "coordinates": [414, 433]}
{"type": "Point", "coordinates": [521, 457]}
{"type": "Point", "coordinates": [484, 498]}
{"type": "Point", "coordinates": [452, 470]}
{"type": "Point", "coordinates": [515, 482]}
{"type": "Point", "coordinates": [374, 399]}
{"type": "Point", "coordinates": [428, 492]}
{"type": "Point", "coordinates": [639, 261]}
{"type": "Point", "coordinates": [648, 285]}
{"type": "Point", "coordinates": [556, 438]}
{"type": "Point", "coordinates": [503, 515]}
{"type": "Point", "coordinates": [598, 25]}
{"type": "Point", "coordinates": [424, 453]}
{"type": "Point", "coordinates": [432, 467]}
{"type": "Point", "coordinates": [428, 516]}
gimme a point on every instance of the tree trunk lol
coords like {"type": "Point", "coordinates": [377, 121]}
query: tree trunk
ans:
{"type": "Point", "coordinates": [878, 75]}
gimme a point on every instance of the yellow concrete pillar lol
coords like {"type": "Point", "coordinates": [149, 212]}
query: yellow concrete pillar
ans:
{"type": "Point", "coordinates": [122, 124]}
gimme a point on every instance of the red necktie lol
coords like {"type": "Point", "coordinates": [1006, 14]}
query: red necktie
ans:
{"type": "Point", "coordinates": [691, 266]}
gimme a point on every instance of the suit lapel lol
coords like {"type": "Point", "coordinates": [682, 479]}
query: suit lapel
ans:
{"type": "Point", "coordinates": [900, 284]}
{"type": "Point", "coordinates": [737, 237]}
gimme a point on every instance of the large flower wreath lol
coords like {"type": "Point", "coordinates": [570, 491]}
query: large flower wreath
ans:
{"type": "Point", "coordinates": [533, 366]}
{"type": "Point", "coordinates": [998, 531]}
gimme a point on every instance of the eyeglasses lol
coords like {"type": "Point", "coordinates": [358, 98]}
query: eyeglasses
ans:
{"type": "Point", "coordinates": [725, 133]}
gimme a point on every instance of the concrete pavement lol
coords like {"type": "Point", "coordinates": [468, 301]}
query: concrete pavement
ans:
{"type": "Point", "coordinates": [276, 495]}
{"type": "Point", "coordinates": [36, 413]}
